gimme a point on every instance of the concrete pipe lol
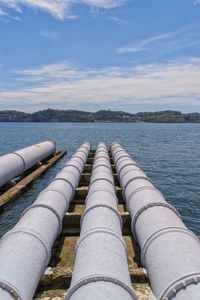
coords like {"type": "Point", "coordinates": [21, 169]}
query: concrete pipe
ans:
{"type": "Point", "coordinates": [26, 249]}
{"type": "Point", "coordinates": [169, 251]}
{"type": "Point", "coordinates": [15, 163]}
{"type": "Point", "coordinates": [101, 269]}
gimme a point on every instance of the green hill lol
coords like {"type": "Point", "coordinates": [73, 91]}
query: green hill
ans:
{"type": "Point", "coordinates": [55, 115]}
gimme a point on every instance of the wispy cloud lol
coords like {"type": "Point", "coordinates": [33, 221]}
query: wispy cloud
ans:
{"type": "Point", "coordinates": [3, 13]}
{"type": "Point", "coordinates": [59, 9]}
{"type": "Point", "coordinates": [52, 35]}
{"type": "Point", "coordinates": [117, 20]}
{"type": "Point", "coordinates": [167, 42]}
{"type": "Point", "coordinates": [176, 82]}
{"type": "Point", "coordinates": [143, 44]}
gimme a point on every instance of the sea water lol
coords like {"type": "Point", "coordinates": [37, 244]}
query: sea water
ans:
{"type": "Point", "coordinates": [168, 153]}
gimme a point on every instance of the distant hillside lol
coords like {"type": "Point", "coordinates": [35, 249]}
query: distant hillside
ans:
{"type": "Point", "coordinates": [55, 115]}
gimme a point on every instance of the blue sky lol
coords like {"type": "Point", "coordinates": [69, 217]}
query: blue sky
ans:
{"type": "Point", "coordinates": [130, 55]}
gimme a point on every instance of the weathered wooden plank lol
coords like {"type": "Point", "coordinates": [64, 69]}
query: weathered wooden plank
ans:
{"type": "Point", "coordinates": [88, 168]}
{"type": "Point", "coordinates": [85, 179]}
{"type": "Point", "coordinates": [91, 160]}
{"type": "Point", "coordinates": [81, 194]}
{"type": "Point", "coordinates": [71, 223]}
{"type": "Point", "coordinates": [60, 277]}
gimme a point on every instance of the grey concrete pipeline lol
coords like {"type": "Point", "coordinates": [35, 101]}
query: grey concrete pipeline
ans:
{"type": "Point", "coordinates": [26, 249]}
{"type": "Point", "coordinates": [101, 268]}
{"type": "Point", "coordinates": [169, 251]}
{"type": "Point", "coordinates": [15, 163]}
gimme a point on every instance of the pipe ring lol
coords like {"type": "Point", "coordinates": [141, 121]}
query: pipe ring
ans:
{"type": "Point", "coordinates": [81, 150]}
{"type": "Point", "coordinates": [139, 190]}
{"type": "Point", "coordinates": [74, 156]}
{"type": "Point", "coordinates": [136, 178]}
{"type": "Point", "coordinates": [116, 161]}
{"type": "Point", "coordinates": [127, 165]}
{"type": "Point", "coordinates": [150, 205]}
{"type": "Point", "coordinates": [84, 146]}
{"type": "Point", "coordinates": [96, 278]}
{"type": "Point", "coordinates": [120, 150]}
{"type": "Point", "coordinates": [47, 207]}
{"type": "Point", "coordinates": [101, 150]}
{"type": "Point", "coordinates": [108, 168]}
{"type": "Point", "coordinates": [52, 190]}
{"type": "Point", "coordinates": [11, 290]}
{"type": "Point", "coordinates": [65, 181]}
{"type": "Point", "coordinates": [160, 232]}
{"type": "Point", "coordinates": [89, 195]}
{"type": "Point", "coordinates": [24, 164]}
{"type": "Point", "coordinates": [105, 206]}
{"type": "Point", "coordinates": [101, 156]}
{"type": "Point", "coordinates": [128, 171]}
{"type": "Point", "coordinates": [68, 172]}
{"type": "Point", "coordinates": [70, 165]}
{"type": "Point", "coordinates": [105, 179]}
{"type": "Point", "coordinates": [54, 143]}
{"type": "Point", "coordinates": [117, 146]}
{"type": "Point", "coordinates": [101, 165]}
{"type": "Point", "coordinates": [180, 284]}
{"type": "Point", "coordinates": [34, 234]}
{"type": "Point", "coordinates": [100, 230]}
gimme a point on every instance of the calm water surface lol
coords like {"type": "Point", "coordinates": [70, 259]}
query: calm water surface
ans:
{"type": "Point", "coordinates": [168, 153]}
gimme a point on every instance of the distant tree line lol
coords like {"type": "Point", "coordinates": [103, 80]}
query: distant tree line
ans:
{"type": "Point", "coordinates": [55, 115]}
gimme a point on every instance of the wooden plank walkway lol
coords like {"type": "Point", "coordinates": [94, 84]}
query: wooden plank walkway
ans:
{"type": "Point", "coordinates": [56, 280]}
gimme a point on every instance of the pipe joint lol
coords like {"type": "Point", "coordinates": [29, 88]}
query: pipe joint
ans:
{"type": "Point", "coordinates": [116, 160]}
{"type": "Point", "coordinates": [71, 165]}
{"type": "Point", "coordinates": [101, 165]}
{"type": "Point", "coordinates": [101, 156]}
{"type": "Point", "coordinates": [144, 188]}
{"type": "Point", "coordinates": [180, 284]}
{"type": "Point", "coordinates": [11, 290]}
{"type": "Point", "coordinates": [52, 190]}
{"type": "Point", "coordinates": [101, 190]}
{"type": "Point", "coordinates": [96, 278]}
{"type": "Point", "coordinates": [54, 143]}
{"type": "Point", "coordinates": [101, 178]}
{"type": "Point", "coordinates": [76, 156]}
{"type": "Point", "coordinates": [24, 164]}
{"type": "Point", "coordinates": [161, 232]}
{"type": "Point", "coordinates": [34, 234]}
{"type": "Point", "coordinates": [127, 165]}
{"type": "Point", "coordinates": [104, 206]}
{"type": "Point", "coordinates": [63, 179]}
{"type": "Point", "coordinates": [47, 207]}
{"type": "Point", "coordinates": [136, 178]}
{"type": "Point", "coordinates": [150, 205]}
{"type": "Point", "coordinates": [100, 230]}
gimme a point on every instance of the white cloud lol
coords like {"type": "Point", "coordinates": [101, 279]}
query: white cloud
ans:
{"type": "Point", "coordinates": [117, 20]}
{"type": "Point", "coordinates": [3, 13]}
{"type": "Point", "coordinates": [170, 84]}
{"type": "Point", "coordinates": [142, 45]}
{"type": "Point", "coordinates": [52, 35]}
{"type": "Point", "coordinates": [167, 42]}
{"type": "Point", "coordinates": [58, 8]}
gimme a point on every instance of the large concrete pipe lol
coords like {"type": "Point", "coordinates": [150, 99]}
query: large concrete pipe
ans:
{"type": "Point", "coordinates": [101, 268]}
{"type": "Point", "coordinates": [15, 163]}
{"type": "Point", "coordinates": [169, 251]}
{"type": "Point", "coordinates": [26, 249]}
